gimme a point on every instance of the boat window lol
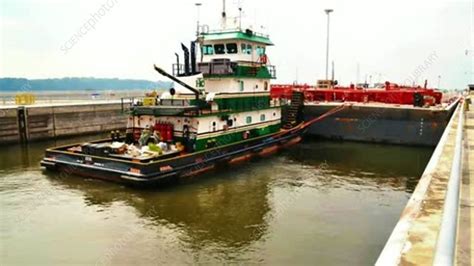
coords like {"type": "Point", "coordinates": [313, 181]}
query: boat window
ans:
{"type": "Point", "coordinates": [249, 119]}
{"type": "Point", "coordinates": [231, 48]}
{"type": "Point", "coordinates": [246, 48]}
{"type": "Point", "coordinates": [219, 48]}
{"type": "Point", "coordinates": [208, 49]}
{"type": "Point", "coordinates": [260, 50]}
{"type": "Point", "coordinates": [265, 85]}
{"type": "Point", "coordinates": [241, 85]}
{"type": "Point", "coordinates": [262, 117]}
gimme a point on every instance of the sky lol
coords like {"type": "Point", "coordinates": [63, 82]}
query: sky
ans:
{"type": "Point", "coordinates": [402, 41]}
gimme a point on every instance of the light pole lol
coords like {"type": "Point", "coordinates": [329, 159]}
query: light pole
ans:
{"type": "Point", "coordinates": [328, 11]}
{"type": "Point", "coordinates": [198, 6]}
{"type": "Point", "coordinates": [439, 82]}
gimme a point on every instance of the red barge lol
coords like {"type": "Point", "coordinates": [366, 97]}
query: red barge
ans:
{"type": "Point", "coordinates": [389, 113]}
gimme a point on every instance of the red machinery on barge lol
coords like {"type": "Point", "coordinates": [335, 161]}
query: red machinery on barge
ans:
{"type": "Point", "coordinates": [390, 93]}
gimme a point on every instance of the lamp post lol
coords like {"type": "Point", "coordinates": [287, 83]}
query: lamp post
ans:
{"type": "Point", "coordinates": [328, 11]}
{"type": "Point", "coordinates": [439, 82]}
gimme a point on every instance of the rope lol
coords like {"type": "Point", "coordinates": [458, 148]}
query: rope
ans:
{"type": "Point", "coordinates": [304, 125]}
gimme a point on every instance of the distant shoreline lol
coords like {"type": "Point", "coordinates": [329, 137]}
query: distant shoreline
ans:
{"type": "Point", "coordinates": [71, 96]}
{"type": "Point", "coordinates": [82, 85]}
{"type": "Point", "coordinates": [4, 92]}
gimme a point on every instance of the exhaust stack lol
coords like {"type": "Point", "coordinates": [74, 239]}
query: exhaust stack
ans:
{"type": "Point", "coordinates": [186, 60]}
{"type": "Point", "coordinates": [193, 58]}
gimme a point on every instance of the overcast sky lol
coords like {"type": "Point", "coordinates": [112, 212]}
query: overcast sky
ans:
{"type": "Point", "coordinates": [397, 40]}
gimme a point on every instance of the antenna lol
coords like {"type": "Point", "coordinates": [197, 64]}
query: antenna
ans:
{"type": "Point", "coordinates": [224, 16]}
{"type": "Point", "coordinates": [240, 18]}
{"type": "Point", "coordinates": [198, 6]}
{"type": "Point", "coordinates": [239, 7]}
{"type": "Point", "coordinates": [332, 72]}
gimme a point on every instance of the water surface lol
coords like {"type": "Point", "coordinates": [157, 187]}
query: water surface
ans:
{"type": "Point", "coordinates": [325, 203]}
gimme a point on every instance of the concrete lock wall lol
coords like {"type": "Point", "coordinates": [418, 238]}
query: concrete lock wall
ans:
{"type": "Point", "coordinates": [9, 126]}
{"type": "Point", "coordinates": [46, 122]}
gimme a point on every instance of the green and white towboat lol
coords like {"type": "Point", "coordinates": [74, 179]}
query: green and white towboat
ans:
{"type": "Point", "coordinates": [219, 112]}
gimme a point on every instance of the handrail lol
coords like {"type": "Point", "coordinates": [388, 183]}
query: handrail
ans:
{"type": "Point", "coordinates": [230, 30]}
{"type": "Point", "coordinates": [446, 243]}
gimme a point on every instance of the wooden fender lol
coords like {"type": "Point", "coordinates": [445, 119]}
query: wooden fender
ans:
{"type": "Point", "coordinates": [240, 159]}
{"type": "Point", "coordinates": [268, 151]}
{"type": "Point", "coordinates": [291, 142]}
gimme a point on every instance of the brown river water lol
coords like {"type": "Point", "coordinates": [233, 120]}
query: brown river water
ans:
{"type": "Point", "coordinates": [324, 203]}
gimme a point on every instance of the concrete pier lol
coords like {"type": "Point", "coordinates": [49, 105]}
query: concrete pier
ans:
{"type": "Point", "coordinates": [44, 121]}
{"type": "Point", "coordinates": [416, 238]}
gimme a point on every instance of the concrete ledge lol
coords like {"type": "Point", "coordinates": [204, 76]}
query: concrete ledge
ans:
{"type": "Point", "coordinates": [413, 240]}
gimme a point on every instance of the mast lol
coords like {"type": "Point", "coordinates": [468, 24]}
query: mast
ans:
{"type": "Point", "coordinates": [198, 5]}
{"type": "Point", "coordinates": [224, 16]}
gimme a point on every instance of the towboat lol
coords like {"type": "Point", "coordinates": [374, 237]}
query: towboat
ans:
{"type": "Point", "coordinates": [219, 112]}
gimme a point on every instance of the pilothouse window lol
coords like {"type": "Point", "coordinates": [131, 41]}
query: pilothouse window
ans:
{"type": "Point", "coordinates": [208, 50]}
{"type": "Point", "coordinates": [260, 50]}
{"type": "Point", "coordinates": [219, 48]}
{"type": "Point", "coordinates": [246, 48]}
{"type": "Point", "coordinates": [231, 48]}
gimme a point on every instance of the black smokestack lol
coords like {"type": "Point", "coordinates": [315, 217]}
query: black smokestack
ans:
{"type": "Point", "coordinates": [193, 58]}
{"type": "Point", "coordinates": [177, 64]}
{"type": "Point", "coordinates": [186, 59]}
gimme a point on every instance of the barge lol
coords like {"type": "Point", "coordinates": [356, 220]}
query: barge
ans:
{"type": "Point", "coordinates": [389, 113]}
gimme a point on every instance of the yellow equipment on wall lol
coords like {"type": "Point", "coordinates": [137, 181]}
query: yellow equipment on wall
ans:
{"type": "Point", "coordinates": [25, 99]}
{"type": "Point", "coordinates": [149, 101]}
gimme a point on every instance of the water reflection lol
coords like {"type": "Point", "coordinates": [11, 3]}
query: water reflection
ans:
{"type": "Point", "coordinates": [375, 165]}
{"type": "Point", "coordinates": [228, 211]}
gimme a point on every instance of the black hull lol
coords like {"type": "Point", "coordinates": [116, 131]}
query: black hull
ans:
{"type": "Point", "coordinates": [168, 170]}
{"type": "Point", "coordinates": [390, 125]}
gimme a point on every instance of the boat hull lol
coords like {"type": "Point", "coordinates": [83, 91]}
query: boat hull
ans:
{"type": "Point", "coordinates": [381, 124]}
{"type": "Point", "coordinates": [169, 170]}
